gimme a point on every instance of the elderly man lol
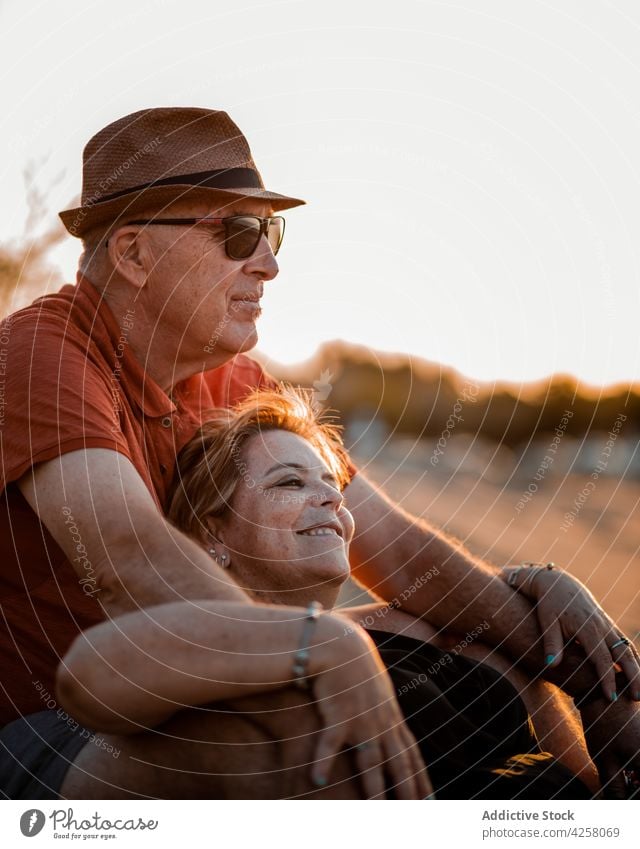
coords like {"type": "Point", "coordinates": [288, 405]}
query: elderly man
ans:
{"type": "Point", "coordinates": [106, 381]}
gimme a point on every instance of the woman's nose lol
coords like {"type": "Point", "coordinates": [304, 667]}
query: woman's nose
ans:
{"type": "Point", "coordinates": [331, 495]}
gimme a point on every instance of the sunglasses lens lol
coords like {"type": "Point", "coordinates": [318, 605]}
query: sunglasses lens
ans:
{"type": "Point", "coordinates": [275, 233]}
{"type": "Point", "coordinates": [244, 233]}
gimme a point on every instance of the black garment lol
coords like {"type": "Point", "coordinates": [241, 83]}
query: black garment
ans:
{"type": "Point", "coordinates": [472, 727]}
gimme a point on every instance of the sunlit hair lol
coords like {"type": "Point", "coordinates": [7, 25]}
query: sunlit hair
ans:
{"type": "Point", "coordinates": [211, 465]}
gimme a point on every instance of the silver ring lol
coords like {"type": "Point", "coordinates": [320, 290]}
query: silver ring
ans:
{"type": "Point", "coordinates": [623, 641]}
{"type": "Point", "coordinates": [361, 747]}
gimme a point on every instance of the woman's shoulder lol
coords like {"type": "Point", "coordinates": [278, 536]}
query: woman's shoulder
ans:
{"type": "Point", "coordinates": [392, 620]}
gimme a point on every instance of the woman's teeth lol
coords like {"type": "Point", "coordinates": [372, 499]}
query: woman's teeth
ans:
{"type": "Point", "coordinates": [316, 532]}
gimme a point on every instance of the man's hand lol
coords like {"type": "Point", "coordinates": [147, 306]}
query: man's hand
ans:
{"type": "Point", "coordinates": [612, 732]}
{"type": "Point", "coordinates": [566, 610]}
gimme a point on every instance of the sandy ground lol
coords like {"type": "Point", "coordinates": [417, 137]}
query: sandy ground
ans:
{"type": "Point", "coordinates": [592, 530]}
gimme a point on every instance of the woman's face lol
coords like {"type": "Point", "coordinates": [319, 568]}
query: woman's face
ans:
{"type": "Point", "coordinates": [287, 531]}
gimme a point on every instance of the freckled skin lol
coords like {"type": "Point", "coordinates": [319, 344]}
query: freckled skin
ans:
{"type": "Point", "coordinates": [268, 557]}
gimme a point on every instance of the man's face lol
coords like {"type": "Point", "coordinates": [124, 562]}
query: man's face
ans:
{"type": "Point", "coordinates": [206, 304]}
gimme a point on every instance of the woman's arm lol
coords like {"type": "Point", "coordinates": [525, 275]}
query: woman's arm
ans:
{"type": "Point", "coordinates": [138, 669]}
{"type": "Point", "coordinates": [135, 671]}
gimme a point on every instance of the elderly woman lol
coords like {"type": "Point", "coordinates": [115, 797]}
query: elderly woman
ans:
{"type": "Point", "coordinates": [260, 489]}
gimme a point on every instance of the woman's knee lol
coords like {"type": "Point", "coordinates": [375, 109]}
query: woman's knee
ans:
{"type": "Point", "coordinates": [290, 719]}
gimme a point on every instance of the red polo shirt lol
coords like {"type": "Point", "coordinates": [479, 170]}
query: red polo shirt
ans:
{"type": "Point", "coordinates": [68, 380]}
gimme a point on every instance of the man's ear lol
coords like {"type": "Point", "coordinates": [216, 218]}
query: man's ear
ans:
{"type": "Point", "coordinates": [130, 254]}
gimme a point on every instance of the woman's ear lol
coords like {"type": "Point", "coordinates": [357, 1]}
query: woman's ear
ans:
{"type": "Point", "coordinates": [215, 546]}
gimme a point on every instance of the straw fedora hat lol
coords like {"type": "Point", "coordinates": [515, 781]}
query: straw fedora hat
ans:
{"type": "Point", "coordinates": [156, 156]}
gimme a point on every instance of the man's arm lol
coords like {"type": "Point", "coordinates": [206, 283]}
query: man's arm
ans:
{"type": "Point", "coordinates": [99, 511]}
{"type": "Point", "coordinates": [411, 565]}
{"type": "Point", "coordinates": [406, 562]}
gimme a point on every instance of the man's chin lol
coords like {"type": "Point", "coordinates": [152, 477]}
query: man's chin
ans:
{"type": "Point", "coordinates": [240, 343]}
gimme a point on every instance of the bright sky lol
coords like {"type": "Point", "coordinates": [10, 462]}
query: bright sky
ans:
{"type": "Point", "coordinates": [471, 169]}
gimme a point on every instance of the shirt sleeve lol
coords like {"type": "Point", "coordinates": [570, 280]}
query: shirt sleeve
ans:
{"type": "Point", "coordinates": [58, 397]}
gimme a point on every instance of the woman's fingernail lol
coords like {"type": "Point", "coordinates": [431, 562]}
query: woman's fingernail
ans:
{"type": "Point", "coordinates": [549, 659]}
{"type": "Point", "coordinates": [319, 780]}
{"type": "Point", "coordinates": [636, 695]}
{"type": "Point", "coordinates": [614, 696]}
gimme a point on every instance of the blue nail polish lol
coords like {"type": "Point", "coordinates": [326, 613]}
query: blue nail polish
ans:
{"type": "Point", "coordinates": [319, 780]}
{"type": "Point", "coordinates": [549, 659]}
{"type": "Point", "coordinates": [636, 695]}
{"type": "Point", "coordinates": [614, 696]}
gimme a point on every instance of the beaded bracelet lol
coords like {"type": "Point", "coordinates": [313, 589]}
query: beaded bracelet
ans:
{"type": "Point", "coordinates": [301, 658]}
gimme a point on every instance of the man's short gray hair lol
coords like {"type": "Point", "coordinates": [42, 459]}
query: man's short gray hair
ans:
{"type": "Point", "coordinates": [94, 248]}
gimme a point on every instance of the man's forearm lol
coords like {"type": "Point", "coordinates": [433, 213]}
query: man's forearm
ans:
{"type": "Point", "coordinates": [404, 560]}
{"type": "Point", "coordinates": [435, 578]}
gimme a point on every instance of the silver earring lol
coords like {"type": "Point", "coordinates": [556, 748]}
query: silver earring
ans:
{"type": "Point", "coordinates": [222, 561]}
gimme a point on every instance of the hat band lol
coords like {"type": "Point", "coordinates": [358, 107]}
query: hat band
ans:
{"type": "Point", "coordinates": [223, 178]}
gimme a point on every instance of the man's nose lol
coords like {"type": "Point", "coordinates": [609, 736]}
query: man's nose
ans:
{"type": "Point", "coordinates": [262, 261]}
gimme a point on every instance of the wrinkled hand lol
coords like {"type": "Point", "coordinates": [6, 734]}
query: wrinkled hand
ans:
{"type": "Point", "coordinates": [612, 732]}
{"type": "Point", "coordinates": [356, 702]}
{"type": "Point", "coordinates": [566, 610]}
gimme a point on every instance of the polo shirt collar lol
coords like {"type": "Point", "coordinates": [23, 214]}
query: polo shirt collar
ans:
{"type": "Point", "coordinates": [141, 387]}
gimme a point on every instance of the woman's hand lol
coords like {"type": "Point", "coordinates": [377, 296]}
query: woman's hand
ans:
{"type": "Point", "coordinates": [566, 610]}
{"type": "Point", "coordinates": [356, 702]}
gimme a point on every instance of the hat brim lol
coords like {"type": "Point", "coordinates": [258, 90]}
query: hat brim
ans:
{"type": "Point", "coordinates": [80, 220]}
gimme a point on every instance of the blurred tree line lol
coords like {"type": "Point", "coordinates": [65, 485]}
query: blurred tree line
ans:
{"type": "Point", "coordinates": [406, 395]}
{"type": "Point", "coordinates": [25, 272]}
{"type": "Point", "coordinates": [412, 397]}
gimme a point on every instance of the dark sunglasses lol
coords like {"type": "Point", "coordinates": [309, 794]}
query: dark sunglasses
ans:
{"type": "Point", "coordinates": [242, 232]}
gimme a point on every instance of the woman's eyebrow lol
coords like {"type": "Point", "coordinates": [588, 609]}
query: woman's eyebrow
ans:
{"type": "Point", "coordinates": [325, 476]}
